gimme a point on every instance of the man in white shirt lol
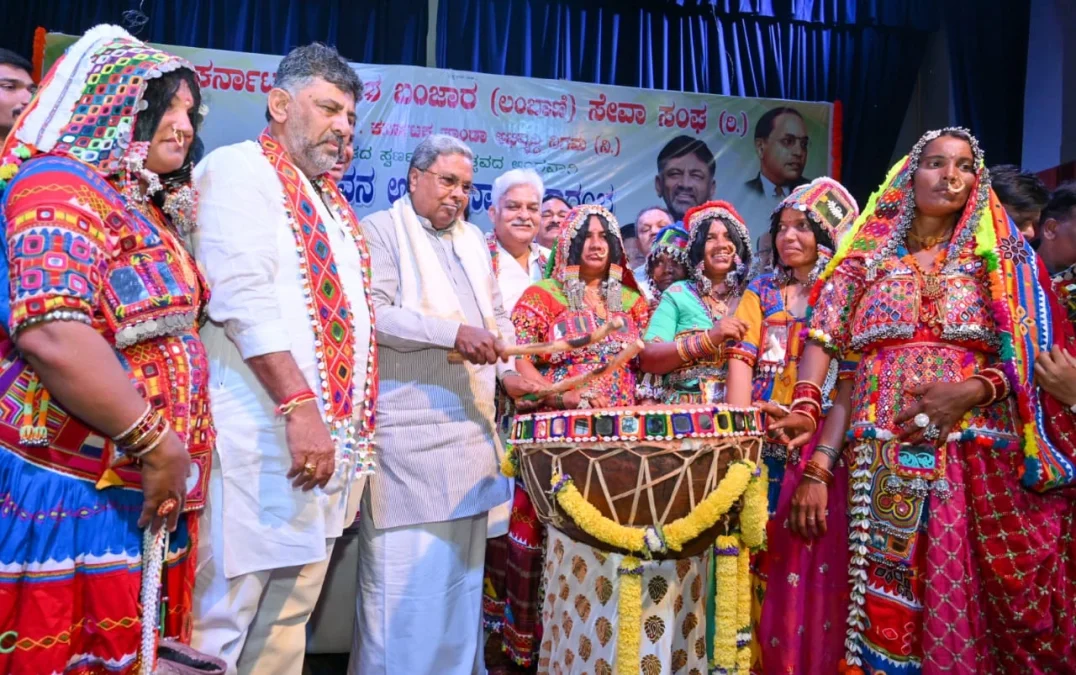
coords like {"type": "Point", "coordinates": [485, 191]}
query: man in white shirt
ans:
{"type": "Point", "coordinates": [292, 363]}
{"type": "Point", "coordinates": [647, 224]}
{"type": "Point", "coordinates": [518, 260]}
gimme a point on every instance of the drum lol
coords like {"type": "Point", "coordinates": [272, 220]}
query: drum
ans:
{"type": "Point", "coordinates": [647, 465]}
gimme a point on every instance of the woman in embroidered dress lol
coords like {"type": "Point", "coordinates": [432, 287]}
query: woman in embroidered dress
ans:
{"type": "Point", "coordinates": [666, 264]}
{"type": "Point", "coordinates": [580, 617]}
{"type": "Point", "coordinates": [962, 559]}
{"type": "Point", "coordinates": [588, 283]}
{"type": "Point", "coordinates": [105, 425]}
{"type": "Point", "coordinates": [687, 334]}
{"type": "Point", "coordinates": [803, 569]}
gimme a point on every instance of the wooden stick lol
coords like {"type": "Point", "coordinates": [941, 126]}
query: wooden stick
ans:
{"type": "Point", "coordinates": [571, 383]}
{"type": "Point", "coordinates": [556, 346]}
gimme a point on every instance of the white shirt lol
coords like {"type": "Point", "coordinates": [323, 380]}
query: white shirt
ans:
{"type": "Point", "coordinates": [246, 247]}
{"type": "Point", "coordinates": [643, 280]}
{"type": "Point", "coordinates": [514, 281]}
{"type": "Point", "coordinates": [769, 189]}
{"type": "Point", "coordinates": [511, 276]}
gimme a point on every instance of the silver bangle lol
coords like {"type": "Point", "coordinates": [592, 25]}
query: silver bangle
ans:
{"type": "Point", "coordinates": [829, 451]}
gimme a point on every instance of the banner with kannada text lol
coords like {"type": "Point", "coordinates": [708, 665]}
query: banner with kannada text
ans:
{"type": "Point", "coordinates": [590, 143]}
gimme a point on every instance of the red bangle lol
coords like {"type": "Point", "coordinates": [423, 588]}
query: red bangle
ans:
{"type": "Point", "coordinates": [288, 405]}
{"type": "Point", "coordinates": [805, 389]}
{"type": "Point", "coordinates": [819, 473]}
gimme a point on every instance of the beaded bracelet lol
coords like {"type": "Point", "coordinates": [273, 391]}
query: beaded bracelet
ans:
{"type": "Point", "coordinates": [816, 471]}
{"type": "Point", "coordinates": [289, 405]}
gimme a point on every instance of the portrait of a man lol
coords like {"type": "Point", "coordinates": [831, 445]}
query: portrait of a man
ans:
{"type": "Point", "coordinates": [685, 175]}
{"type": "Point", "coordinates": [781, 143]}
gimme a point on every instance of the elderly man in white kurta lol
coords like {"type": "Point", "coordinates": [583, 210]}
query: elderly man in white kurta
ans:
{"type": "Point", "coordinates": [423, 529]}
{"type": "Point", "coordinates": [518, 262]}
{"type": "Point", "coordinates": [292, 363]}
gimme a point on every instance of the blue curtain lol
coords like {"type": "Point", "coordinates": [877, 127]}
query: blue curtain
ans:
{"type": "Point", "coordinates": [372, 31]}
{"type": "Point", "coordinates": [865, 53]}
{"type": "Point", "coordinates": [989, 72]}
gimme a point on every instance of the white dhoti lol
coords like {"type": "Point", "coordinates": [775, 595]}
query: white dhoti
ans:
{"type": "Point", "coordinates": [581, 617]}
{"type": "Point", "coordinates": [420, 598]}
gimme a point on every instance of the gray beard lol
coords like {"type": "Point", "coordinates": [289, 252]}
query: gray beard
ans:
{"type": "Point", "coordinates": [310, 159]}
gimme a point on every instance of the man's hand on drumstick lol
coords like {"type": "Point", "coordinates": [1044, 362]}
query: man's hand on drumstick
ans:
{"type": "Point", "coordinates": [478, 345]}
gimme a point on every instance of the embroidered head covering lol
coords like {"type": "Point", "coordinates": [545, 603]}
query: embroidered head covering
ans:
{"type": "Point", "coordinates": [826, 202]}
{"type": "Point", "coordinates": [86, 109]}
{"type": "Point", "coordinates": [559, 269]}
{"type": "Point", "coordinates": [694, 220]}
{"type": "Point", "coordinates": [828, 205]}
{"type": "Point", "coordinates": [671, 240]}
{"type": "Point", "coordinates": [1019, 301]}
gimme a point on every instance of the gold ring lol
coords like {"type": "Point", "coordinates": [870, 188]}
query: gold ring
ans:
{"type": "Point", "coordinates": [309, 468]}
{"type": "Point", "coordinates": [166, 507]}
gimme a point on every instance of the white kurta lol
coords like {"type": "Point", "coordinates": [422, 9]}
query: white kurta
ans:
{"type": "Point", "coordinates": [513, 280]}
{"type": "Point", "coordinates": [245, 245]}
{"type": "Point", "coordinates": [511, 276]}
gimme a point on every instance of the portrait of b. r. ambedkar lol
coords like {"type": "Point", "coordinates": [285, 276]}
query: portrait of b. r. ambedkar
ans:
{"type": "Point", "coordinates": [781, 143]}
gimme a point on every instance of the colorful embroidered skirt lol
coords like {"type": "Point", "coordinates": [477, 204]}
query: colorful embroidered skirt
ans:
{"type": "Point", "coordinates": [581, 615]}
{"type": "Point", "coordinates": [70, 574]}
{"type": "Point", "coordinates": [977, 576]}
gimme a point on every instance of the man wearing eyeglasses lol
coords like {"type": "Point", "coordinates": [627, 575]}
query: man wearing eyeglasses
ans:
{"type": "Point", "coordinates": [423, 526]}
{"type": "Point", "coordinates": [781, 143]}
{"type": "Point", "coordinates": [16, 89]}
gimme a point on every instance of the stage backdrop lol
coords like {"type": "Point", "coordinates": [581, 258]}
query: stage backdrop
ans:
{"type": "Point", "coordinates": [590, 143]}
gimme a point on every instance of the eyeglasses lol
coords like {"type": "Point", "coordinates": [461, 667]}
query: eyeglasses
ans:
{"type": "Point", "coordinates": [450, 183]}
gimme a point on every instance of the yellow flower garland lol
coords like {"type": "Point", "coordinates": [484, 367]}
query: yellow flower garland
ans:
{"type": "Point", "coordinates": [755, 513]}
{"type": "Point", "coordinates": [733, 606]}
{"type": "Point", "coordinates": [677, 533]}
{"type": "Point", "coordinates": [509, 462]}
{"type": "Point", "coordinates": [630, 607]}
{"type": "Point", "coordinates": [743, 609]}
{"type": "Point", "coordinates": [727, 598]}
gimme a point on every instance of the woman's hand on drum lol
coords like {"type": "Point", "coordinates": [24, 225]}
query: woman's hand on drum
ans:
{"type": "Point", "coordinates": [808, 515]}
{"type": "Point", "coordinates": [572, 399]}
{"type": "Point", "coordinates": [164, 477]}
{"type": "Point", "coordinates": [729, 328]}
{"type": "Point", "coordinates": [794, 431]}
{"type": "Point", "coordinates": [938, 410]}
{"type": "Point", "coordinates": [517, 386]}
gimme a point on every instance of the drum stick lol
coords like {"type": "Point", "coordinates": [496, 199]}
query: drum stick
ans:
{"type": "Point", "coordinates": [571, 383]}
{"type": "Point", "coordinates": [556, 346]}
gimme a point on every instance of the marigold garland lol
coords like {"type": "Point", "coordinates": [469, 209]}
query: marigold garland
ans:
{"type": "Point", "coordinates": [727, 566]}
{"type": "Point", "coordinates": [630, 610]}
{"type": "Point", "coordinates": [755, 513]}
{"type": "Point", "coordinates": [510, 462]}
{"type": "Point", "coordinates": [676, 534]}
{"type": "Point", "coordinates": [743, 610]}
{"type": "Point", "coordinates": [742, 479]}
